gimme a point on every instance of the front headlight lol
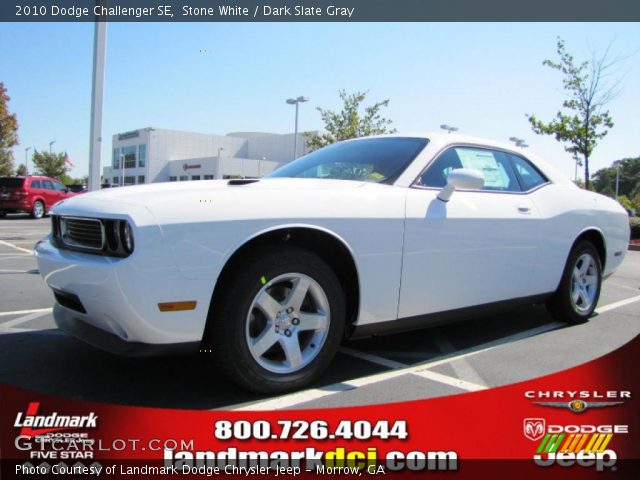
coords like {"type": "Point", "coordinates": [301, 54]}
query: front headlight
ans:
{"type": "Point", "coordinates": [126, 236]}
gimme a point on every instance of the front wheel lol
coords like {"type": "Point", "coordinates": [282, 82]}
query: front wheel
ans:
{"type": "Point", "coordinates": [579, 290]}
{"type": "Point", "coordinates": [278, 320]}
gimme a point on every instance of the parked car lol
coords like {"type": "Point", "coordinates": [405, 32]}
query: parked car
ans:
{"type": "Point", "coordinates": [34, 195]}
{"type": "Point", "coordinates": [363, 237]}
{"type": "Point", "coordinates": [77, 188]}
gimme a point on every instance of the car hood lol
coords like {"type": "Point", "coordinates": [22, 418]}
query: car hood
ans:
{"type": "Point", "coordinates": [221, 196]}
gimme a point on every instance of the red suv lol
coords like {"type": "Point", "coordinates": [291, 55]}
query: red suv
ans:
{"type": "Point", "coordinates": [34, 195]}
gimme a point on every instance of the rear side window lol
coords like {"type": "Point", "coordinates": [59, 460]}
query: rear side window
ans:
{"type": "Point", "coordinates": [498, 173]}
{"type": "Point", "coordinates": [8, 182]}
{"type": "Point", "coordinates": [530, 177]}
{"type": "Point", "coordinates": [35, 184]}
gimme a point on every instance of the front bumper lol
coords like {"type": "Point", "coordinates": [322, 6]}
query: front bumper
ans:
{"type": "Point", "coordinates": [68, 321]}
{"type": "Point", "coordinates": [120, 298]}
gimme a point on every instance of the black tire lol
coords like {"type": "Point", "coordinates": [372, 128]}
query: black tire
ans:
{"type": "Point", "coordinates": [37, 211]}
{"type": "Point", "coordinates": [227, 329]}
{"type": "Point", "coordinates": [3, 214]}
{"type": "Point", "coordinates": [561, 305]}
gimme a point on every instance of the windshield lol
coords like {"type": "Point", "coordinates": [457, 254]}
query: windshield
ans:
{"type": "Point", "coordinates": [379, 160]}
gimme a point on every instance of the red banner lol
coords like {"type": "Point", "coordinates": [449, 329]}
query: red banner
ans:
{"type": "Point", "coordinates": [579, 422]}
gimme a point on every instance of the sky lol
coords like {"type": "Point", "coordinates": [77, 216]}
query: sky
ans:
{"type": "Point", "coordinates": [226, 77]}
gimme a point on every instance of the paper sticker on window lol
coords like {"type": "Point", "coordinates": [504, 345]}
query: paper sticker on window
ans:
{"type": "Point", "coordinates": [495, 176]}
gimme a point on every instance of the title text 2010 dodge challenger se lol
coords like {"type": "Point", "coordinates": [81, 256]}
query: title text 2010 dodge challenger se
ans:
{"type": "Point", "coordinates": [362, 237]}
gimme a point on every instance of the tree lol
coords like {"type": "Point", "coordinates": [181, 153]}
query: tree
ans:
{"type": "Point", "coordinates": [583, 120]}
{"type": "Point", "coordinates": [350, 122]}
{"type": "Point", "coordinates": [22, 170]}
{"type": "Point", "coordinates": [626, 203]}
{"type": "Point", "coordinates": [51, 164]}
{"type": "Point", "coordinates": [8, 133]}
{"type": "Point", "coordinates": [604, 180]}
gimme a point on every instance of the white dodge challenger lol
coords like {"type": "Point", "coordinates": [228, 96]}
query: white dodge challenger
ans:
{"type": "Point", "coordinates": [363, 237]}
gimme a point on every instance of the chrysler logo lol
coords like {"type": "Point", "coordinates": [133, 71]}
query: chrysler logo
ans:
{"type": "Point", "coordinates": [534, 428]}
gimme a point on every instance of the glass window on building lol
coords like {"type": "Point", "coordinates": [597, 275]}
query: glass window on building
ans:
{"type": "Point", "coordinates": [142, 155]}
{"type": "Point", "coordinates": [116, 180]}
{"type": "Point", "coordinates": [129, 180]}
{"type": "Point", "coordinates": [116, 158]}
{"type": "Point", "coordinates": [195, 177]}
{"type": "Point", "coordinates": [129, 154]}
{"type": "Point", "coordinates": [173, 179]}
{"type": "Point", "coordinates": [140, 179]}
{"type": "Point", "coordinates": [184, 178]}
{"type": "Point", "coordinates": [208, 177]}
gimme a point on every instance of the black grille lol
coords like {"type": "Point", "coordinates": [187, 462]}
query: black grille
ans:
{"type": "Point", "coordinates": [82, 233]}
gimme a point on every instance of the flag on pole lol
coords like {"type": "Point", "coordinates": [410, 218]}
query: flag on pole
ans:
{"type": "Point", "coordinates": [67, 160]}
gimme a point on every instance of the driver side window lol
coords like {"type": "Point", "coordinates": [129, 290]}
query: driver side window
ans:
{"type": "Point", "coordinates": [495, 166]}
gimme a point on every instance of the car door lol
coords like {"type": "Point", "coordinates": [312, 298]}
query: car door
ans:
{"type": "Point", "coordinates": [61, 191]}
{"type": "Point", "coordinates": [478, 248]}
{"type": "Point", "coordinates": [50, 193]}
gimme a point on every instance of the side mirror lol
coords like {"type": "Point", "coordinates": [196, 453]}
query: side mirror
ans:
{"type": "Point", "coordinates": [461, 178]}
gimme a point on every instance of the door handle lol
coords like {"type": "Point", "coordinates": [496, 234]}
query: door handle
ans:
{"type": "Point", "coordinates": [524, 209]}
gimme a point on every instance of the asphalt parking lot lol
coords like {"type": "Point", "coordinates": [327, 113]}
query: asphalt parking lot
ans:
{"type": "Point", "coordinates": [466, 356]}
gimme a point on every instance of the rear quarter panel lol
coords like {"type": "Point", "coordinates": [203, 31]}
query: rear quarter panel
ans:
{"type": "Point", "coordinates": [566, 212]}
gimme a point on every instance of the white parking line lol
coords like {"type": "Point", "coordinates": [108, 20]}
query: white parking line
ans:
{"type": "Point", "coordinates": [385, 362]}
{"type": "Point", "coordinates": [24, 319]}
{"type": "Point", "coordinates": [461, 367]}
{"type": "Point", "coordinates": [290, 400]}
{"type": "Point", "coordinates": [621, 303]}
{"type": "Point", "coordinates": [24, 312]}
{"type": "Point", "coordinates": [452, 381]}
{"type": "Point", "coordinates": [296, 398]}
{"type": "Point", "coordinates": [2, 242]}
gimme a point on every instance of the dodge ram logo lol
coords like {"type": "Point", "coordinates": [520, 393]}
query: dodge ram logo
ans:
{"type": "Point", "coordinates": [534, 428]}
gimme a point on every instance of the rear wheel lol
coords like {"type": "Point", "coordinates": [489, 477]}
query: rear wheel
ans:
{"type": "Point", "coordinates": [579, 290]}
{"type": "Point", "coordinates": [38, 209]}
{"type": "Point", "coordinates": [278, 321]}
{"type": "Point", "coordinates": [3, 214]}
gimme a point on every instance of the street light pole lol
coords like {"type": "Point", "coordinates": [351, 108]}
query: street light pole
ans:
{"type": "Point", "coordinates": [296, 102]}
{"type": "Point", "coordinates": [95, 144]}
{"type": "Point", "coordinates": [26, 159]}
{"type": "Point", "coordinates": [50, 145]}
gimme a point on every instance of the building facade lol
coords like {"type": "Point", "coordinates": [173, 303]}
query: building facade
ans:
{"type": "Point", "coordinates": [150, 155]}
